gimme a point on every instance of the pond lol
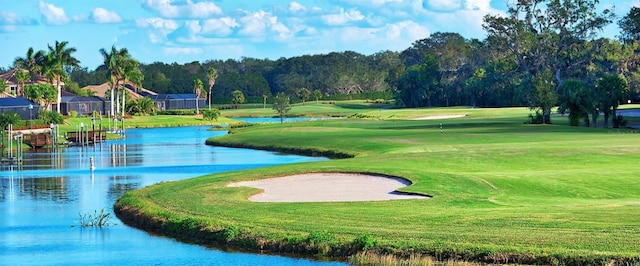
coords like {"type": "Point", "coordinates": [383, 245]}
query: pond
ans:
{"type": "Point", "coordinates": [41, 202]}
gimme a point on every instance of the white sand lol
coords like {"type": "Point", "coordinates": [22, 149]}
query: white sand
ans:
{"type": "Point", "coordinates": [327, 187]}
{"type": "Point", "coordinates": [436, 117]}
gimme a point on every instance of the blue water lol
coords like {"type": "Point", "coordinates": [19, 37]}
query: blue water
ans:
{"type": "Point", "coordinates": [41, 201]}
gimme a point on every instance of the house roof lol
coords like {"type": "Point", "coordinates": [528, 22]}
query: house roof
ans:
{"type": "Point", "coordinates": [103, 88]}
{"type": "Point", "coordinates": [164, 97]}
{"type": "Point", "coordinates": [15, 102]}
{"type": "Point", "coordinates": [73, 99]}
{"type": "Point", "coordinates": [11, 79]}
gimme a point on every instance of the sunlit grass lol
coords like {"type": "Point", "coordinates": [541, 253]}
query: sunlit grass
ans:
{"type": "Point", "coordinates": [503, 191]}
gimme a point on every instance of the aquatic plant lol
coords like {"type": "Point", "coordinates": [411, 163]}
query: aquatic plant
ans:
{"type": "Point", "coordinates": [96, 219]}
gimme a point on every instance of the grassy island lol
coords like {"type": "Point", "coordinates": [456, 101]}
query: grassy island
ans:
{"type": "Point", "coordinates": [502, 191]}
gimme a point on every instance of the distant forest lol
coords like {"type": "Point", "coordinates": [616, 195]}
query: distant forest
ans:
{"type": "Point", "coordinates": [544, 53]}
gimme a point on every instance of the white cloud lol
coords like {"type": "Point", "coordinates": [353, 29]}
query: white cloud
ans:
{"type": "Point", "coordinates": [101, 15]}
{"type": "Point", "coordinates": [181, 50]}
{"type": "Point", "coordinates": [477, 4]}
{"type": "Point", "coordinates": [157, 23]}
{"type": "Point", "coordinates": [220, 27]}
{"type": "Point", "coordinates": [12, 19]}
{"type": "Point", "coordinates": [158, 28]}
{"type": "Point", "coordinates": [188, 9]}
{"type": "Point", "coordinates": [296, 8]}
{"type": "Point", "coordinates": [261, 24]}
{"type": "Point", "coordinates": [444, 5]}
{"type": "Point", "coordinates": [52, 14]}
{"type": "Point", "coordinates": [342, 18]}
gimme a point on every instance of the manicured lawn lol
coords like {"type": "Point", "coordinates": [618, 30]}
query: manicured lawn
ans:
{"type": "Point", "coordinates": [501, 189]}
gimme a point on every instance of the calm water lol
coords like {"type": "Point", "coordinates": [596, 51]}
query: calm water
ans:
{"type": "Point", "coordinates": [41, 202]}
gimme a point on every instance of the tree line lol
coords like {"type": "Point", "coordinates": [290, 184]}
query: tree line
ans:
{"type": "Point", "coordinates": [543, 53]}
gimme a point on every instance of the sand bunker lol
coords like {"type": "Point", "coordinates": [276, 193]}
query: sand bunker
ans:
{"type": "Point", "coordinates": [328, 187]}
{"type": "Point", "coordinates": [436, 117]}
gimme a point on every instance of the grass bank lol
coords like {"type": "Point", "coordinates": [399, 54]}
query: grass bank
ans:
{"type": "Point", "coordinates": [503, 191]}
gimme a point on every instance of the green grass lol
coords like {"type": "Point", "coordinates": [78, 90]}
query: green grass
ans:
{"type": "Point", "coordinates": [503, 191]}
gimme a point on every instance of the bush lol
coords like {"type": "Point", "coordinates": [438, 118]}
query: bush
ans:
{"type": "Point", "coordinates": [364, 242]}
{"type": "Point", "coordinates": [51, 117]}
{"type": "Point", "coordinates": [231, 232]}
{"type": "Point", "coordinates": [536, 118]}
{"type": "Point", "coordinates": [619, 121]}
{"type": "Point", "coordinates": [73, 114]}
{"type": "Point", "coordinates": [9, 118]}
{"type": "Point", "coordinates": [177, 112]}
{"type": "Point", "coordinates": [210, 115]}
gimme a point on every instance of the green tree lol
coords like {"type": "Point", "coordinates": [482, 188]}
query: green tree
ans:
{"type": "Point", "coordinates": [22, 78]}
{"type": "Point", "coordinates": [197, 90]}
{"type": "Point", "coordinates": [58, 58]}
{"type": "Point", "coordinates": [281, 105]}
{"type": "Point", "coordinates": [211, 114]}
{"type": "Point", "coordinates": [3, 85]}
{"type": "Point", "coordinates": [630, 26]}
{"type": "Point", "coordinates": [43, 94]}
{"type": "Point", "coordinates": [8, 118]}
{"type": "Point", "coordinates": [121, 68]}
{"type": "Point", "coordinates": [547, 35]}
{"type": "Point", "coordinates": [317, 94]}
{"type": "Point", "coordinates": [612, 90]}
{"type": "Point", "coordinates": [545, 94]}
{"type": "Point", "coordinates": [304, 94]}
{"type": "Point", "coordinates": [212, 75]}
{"type": "Point", "coordinates": [238, 98]}
{"type": "Point", "coordinates": [575, 99]}
{"type": "Point", "coordinates": [51, 117]}
{"type": "Point", "coordinates": [142, 106]}
{"type": "Point", "coordinates": [417, 83]}
{"type": "Point", "coordinates": [31, 62]}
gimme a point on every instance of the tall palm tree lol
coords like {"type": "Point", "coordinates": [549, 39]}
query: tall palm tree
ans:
{"type": "Point", "coordinates": [122, 67]}
{"type": "Point", "coordinates": [60, 58]}
{"type": "Point", "coordinates": [31, 62]}
{"type": "Point", "coordinates": [212, 75]}
{"type": "Point", "coordinates": [21, 78]}
{"type": "Point", "coordinates": [197, 90]}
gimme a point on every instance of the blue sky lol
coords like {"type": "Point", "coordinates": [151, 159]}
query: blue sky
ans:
{"type": "Point", "coordinates": [189, 30]}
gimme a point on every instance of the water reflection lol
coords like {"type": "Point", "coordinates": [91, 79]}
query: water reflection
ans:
{"type": "Point", "coordinates": [41, 201]}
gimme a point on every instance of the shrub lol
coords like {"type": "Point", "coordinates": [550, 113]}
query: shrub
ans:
{"type": "Point", "coordinates": [73, 114]}
{"type": "Point", "coordinates": [364, 242]}
{"type": "Point", "coordinates": [212, 114]}
{"type": "Point", "coordinates": [9, 118]}
{"type": "Point", "coordinates": [230, 232]}
{"type": "Point", "coordinates": [51, 117]}
{"type": "Point", "coordinates": [619, 121]}
{"type": "Point", "coordinates": [177, 112]}
{"type": "Point", "coordinates": [536, 118]}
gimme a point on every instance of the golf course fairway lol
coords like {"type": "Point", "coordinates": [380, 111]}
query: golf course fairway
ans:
{"type": "Point", "coordinates": [502, 191]}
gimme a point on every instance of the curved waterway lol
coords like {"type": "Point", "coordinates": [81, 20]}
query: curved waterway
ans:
{"type": "Point", "coordinates": [41, 201]}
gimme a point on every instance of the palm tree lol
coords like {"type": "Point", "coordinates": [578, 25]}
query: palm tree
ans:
{"type": "Point", "coordinates": [121, 67]}
{"type": "Point", "coordinates": [212, 75]}
{"type": "Point", "coordinates": [197, 90]}
{"type": "Point", "coordinates": [21, 78]}
{"type": "Point", "coordinates": [31, 62]}
{"type": "Point", "coordinates": [238, 97]}
{"type": "Point", "coordinates": [58, 58]}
